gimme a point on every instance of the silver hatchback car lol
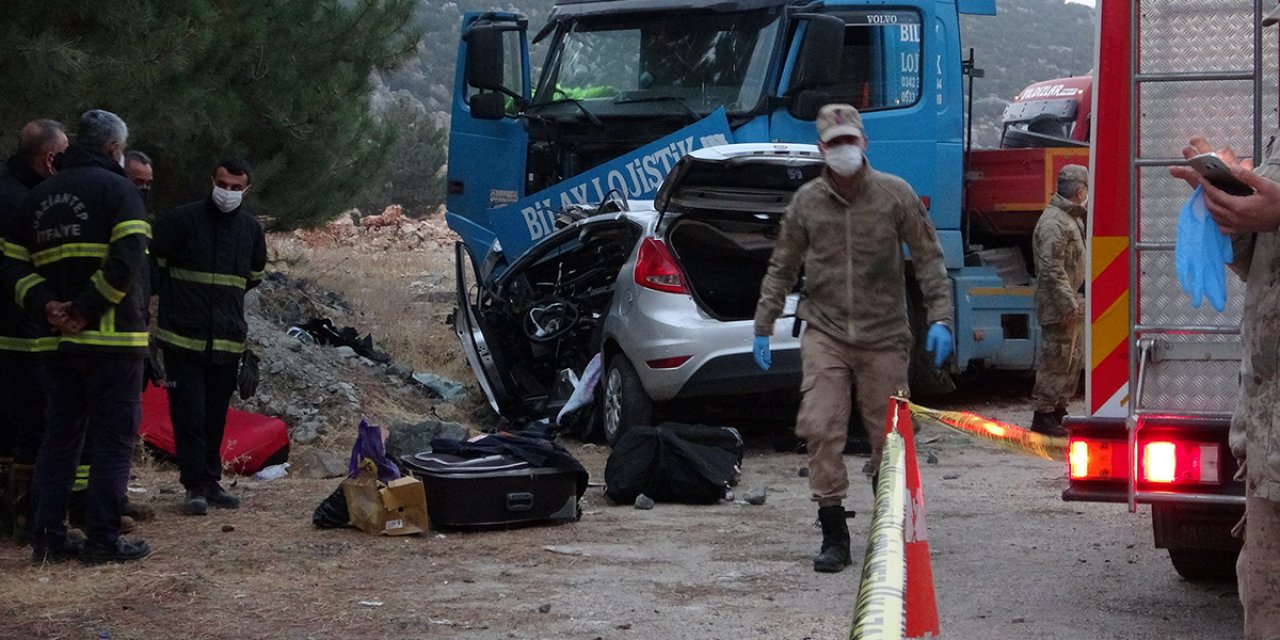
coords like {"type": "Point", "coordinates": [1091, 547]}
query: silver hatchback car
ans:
{"type": "Point", "coordinates": [663, 291]}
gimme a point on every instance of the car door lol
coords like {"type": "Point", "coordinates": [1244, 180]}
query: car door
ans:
{"type": "Point", "coordinates": [511, 382]}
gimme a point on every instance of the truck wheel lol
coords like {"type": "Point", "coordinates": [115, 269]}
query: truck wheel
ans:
{"type": "Point", "coordinates": [1204, 565]}
{"type": "Point", "coordinates": [626, 404]}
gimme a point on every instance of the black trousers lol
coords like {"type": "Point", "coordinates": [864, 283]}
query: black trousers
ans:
{"type": "Point", "coordinates": [21, 406]}
{"type": "Point", "coordinates": [94, 398]}
{"type": "Point", "coordinates": [199, 395]}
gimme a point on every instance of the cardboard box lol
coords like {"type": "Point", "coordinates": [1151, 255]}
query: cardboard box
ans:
{"type": "Point", "coordinates": [397, 508]}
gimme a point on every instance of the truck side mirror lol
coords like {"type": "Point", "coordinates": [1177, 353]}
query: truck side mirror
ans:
{"type": "Point", "coordinates": [490, 105]}
{"type": "Point", "coordinates": [823, 43]}
{"type": "Point", "coordinates": [806, 104]}
{"type": "Point", "coordinates": [484, 57]}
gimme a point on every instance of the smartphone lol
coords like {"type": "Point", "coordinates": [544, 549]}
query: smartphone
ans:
{"type": "Point", "coordinates": [1216, 172]}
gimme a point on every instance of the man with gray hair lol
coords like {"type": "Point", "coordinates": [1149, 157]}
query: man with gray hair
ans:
{"type": "Point", "coordinates": [1058, 245]}
{"type": "Point", "coordinates": [21, 396]}
{"type": "Point", "coordinates": [79, 247]}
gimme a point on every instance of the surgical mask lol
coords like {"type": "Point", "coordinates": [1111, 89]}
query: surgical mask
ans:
{"type": "Point", "coordinates": [146, 195]}
{"type": "Point", "coordinates": [845, 159]}
{"type": "Point", "coordinates": [226, 200]}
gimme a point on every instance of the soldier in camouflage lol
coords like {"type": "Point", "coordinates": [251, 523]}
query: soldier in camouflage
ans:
{"type": "Point", "coordinates": [1058, 245]}
{"type": "Point", "coordinates": [846, 229]}
{"type": "Point", "coordinates": [1253, 223]}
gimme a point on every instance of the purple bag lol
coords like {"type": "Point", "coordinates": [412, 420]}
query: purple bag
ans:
{"type": "Point", "coordinates": [369, 452]}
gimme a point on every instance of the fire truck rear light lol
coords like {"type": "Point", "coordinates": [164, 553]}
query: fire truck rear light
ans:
{"type": "Point", "coordinates": [1168, 462]}
{"type": "Point", "coordinates": [1159, 462]}
{"type": "Point", "coordinates": [1095, 459]}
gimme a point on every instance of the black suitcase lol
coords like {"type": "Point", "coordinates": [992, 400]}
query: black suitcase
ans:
{"type": "Point", "coordinates": [494, 491]}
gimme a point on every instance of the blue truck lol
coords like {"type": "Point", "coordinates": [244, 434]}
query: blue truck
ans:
{"type": "Point", "coordinates": [627, 87]}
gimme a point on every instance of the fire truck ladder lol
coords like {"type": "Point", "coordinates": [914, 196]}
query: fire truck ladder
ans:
{"type": "Point", "coordinates": [1185, 55]}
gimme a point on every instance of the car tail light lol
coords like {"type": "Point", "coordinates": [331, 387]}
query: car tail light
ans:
{"type": "Point", "coordinates": [656, 268]}
{"type": "Point", "coordinates": [668, 363]}
{"type": "Point", "coordinates": [1090, 459]}
{"type": "Point", "coordinates": [1168, 461]}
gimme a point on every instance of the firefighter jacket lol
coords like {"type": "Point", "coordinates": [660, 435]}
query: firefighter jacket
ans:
{"type": "Point", "coordinates": [81, 236]}
{"type": "Point", "coordinates": [17, 331]}
{"type": "Point", "coordinates": [1255, 424]}
{"type": "Point", "coordinates": [208, 260]}
{"type": "Point", "coordinates": [854, 266]}
{"type": "Point", "coordinates": [1058, 246]}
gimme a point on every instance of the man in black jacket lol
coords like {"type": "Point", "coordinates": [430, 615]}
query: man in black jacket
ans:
{"type": "Point", "coordinates": [210, 253]}
{"type": "Point", "coordinates": [21, 395]}
{"type": "Point", "coordinates": [78, 249]}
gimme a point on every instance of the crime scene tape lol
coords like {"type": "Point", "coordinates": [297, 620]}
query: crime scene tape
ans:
{"type": "Point", "coordinates": [880, 613]}
{"type": "Point", "coordinates": [1006, 436]}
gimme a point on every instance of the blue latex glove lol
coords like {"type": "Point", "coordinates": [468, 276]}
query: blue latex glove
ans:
{"type": "Point", "coordinates": [938, 342]}
{"type": "Point", "coordinates": [760, 349]}
{"type": "Point", "coordinates": [1200, 254]}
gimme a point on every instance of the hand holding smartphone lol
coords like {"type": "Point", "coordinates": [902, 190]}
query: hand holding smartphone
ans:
{"type": "Point", "coordinates": [1218, 174]}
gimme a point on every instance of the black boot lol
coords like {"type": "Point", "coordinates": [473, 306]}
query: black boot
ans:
{"type": "Point", "coordinates": [1061, 414]}
{"type": "Point", "coordinates": [6, 500]}
{"type": "Point", "coordinates": [20, 476]}
{"type": "Point", "coordinates": [1047, 423]}
{"type": "Point", "coordinates": [835, 555]}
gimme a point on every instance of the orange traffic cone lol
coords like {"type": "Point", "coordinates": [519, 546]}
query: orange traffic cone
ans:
{"type": "Point", "coordinates": [921, 602]}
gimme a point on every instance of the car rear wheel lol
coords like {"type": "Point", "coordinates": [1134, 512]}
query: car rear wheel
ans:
{"type": "Point", "coordinates": [625, 402]}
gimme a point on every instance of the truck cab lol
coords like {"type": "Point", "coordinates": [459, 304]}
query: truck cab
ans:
{"type": "Point", "coordinates": [627, 87]}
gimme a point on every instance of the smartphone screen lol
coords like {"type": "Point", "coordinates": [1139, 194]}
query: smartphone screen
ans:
{"type": "Point", "coordinates": [1216, 172]}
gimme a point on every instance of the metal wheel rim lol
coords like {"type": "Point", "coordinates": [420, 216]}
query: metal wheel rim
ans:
{"type": "Point", "coordinates": [612, 404]}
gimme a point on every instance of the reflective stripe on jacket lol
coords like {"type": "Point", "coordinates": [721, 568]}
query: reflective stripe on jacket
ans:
{"type": "Point", "coordinates": [81, 236]}
{"type": "Point", "coordinates": [208, 260]}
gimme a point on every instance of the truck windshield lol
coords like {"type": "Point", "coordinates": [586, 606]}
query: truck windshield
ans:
{"type": "Point", "coordinates": [660, 62]}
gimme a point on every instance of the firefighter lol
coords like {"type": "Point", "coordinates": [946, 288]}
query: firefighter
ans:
{"type": "Point", "coordinates": [846, 229]}
{"type": "Point", "coordinates": [137, 168]}
{"type": "Point", "coordinates": [78, 248]}
{"type": "Point", "coordinates": [21, 397]}
{"type": "Point", "coordinates": [1253, 223]}
{"type": "Point", "coordinates": [210, 253]}
{"type": "Point", "coordinates": [1058, 246]}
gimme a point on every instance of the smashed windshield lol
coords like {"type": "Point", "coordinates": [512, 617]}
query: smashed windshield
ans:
{"type": "Point", "coordinates": [661, 62]}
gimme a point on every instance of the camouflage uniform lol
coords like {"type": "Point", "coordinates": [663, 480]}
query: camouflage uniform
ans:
{"type": "Point", "coordinates": [1058, 245]}
{"type": "Point", "coordinates": [855, 303]}
{"type": "Point", "coordinates": [1255, 426]}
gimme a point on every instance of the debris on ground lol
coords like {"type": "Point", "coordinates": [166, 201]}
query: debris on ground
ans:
{"type": "Point", "coordinates": [317, 390]}
{"type": "Point", "coordinates": [644, 502]}
{"type": "Point", "coordinates": [407, 439]}
{"type": "Point", "coordinates": [756, 495]}
{"type": "Point", "coordinates": [391, 229]}
{"type": "Point", "coordinates": [439, 386]}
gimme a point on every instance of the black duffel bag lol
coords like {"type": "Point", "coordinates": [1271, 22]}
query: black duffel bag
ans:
{"type": "Point", "coordinates": [657, 462]}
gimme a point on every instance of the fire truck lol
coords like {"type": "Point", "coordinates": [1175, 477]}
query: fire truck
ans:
{"type": "Point", "coordinates": [1163, 377]}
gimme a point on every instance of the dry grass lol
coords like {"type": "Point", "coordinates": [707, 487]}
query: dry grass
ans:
{"type": "Point", "coordinates": [402, 297]}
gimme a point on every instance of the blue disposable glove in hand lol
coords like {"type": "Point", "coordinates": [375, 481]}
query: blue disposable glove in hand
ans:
{"type": "Point", "coordinates": [760, 349]}
{"type": "Point", "coordinates": [1201, 254]}
{"type": "Point", "coordinates": [938, 342]}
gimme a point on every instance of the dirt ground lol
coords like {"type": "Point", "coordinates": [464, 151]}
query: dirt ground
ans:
{"type": "Point", "coordinates": [1010, 558]}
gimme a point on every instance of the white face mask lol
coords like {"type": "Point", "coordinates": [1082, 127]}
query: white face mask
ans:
{"type": "Point", "coordinates": [226, 200]}
{"type": "Point", "coordinates": [844, 160]}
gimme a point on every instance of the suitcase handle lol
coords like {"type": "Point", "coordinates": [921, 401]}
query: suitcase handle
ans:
{"type": "Point", "coordinates": [522, 501]}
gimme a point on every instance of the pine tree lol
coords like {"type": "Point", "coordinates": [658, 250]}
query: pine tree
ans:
{"type": "Point", "coordinates": [283, 84]}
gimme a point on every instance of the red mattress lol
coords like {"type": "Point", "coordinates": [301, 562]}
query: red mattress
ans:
{"type": "Point", "coordinates": [250, 442]}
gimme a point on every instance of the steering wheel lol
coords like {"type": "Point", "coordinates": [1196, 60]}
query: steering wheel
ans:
{"type": "Point", "coordinates": [549, 319]}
